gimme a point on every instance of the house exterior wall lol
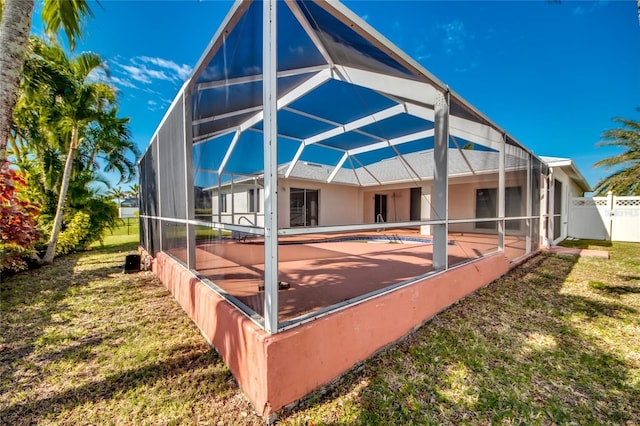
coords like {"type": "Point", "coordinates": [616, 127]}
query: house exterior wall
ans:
{"type": "Point", "coordinates": [462, 199]}
{"type": "Point", "coordinates": [338, 204]}
{"type": "Point", "coordinates": [345, 205]}
{"type": "Point", "coordinates": [398, 203]}
{"type": "Point", "coordinates": [570, 189]}
{"type": "Point", "coordinates": [238, 205]}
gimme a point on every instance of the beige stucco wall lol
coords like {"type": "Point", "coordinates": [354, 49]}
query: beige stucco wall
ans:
{"type": "Point", "coordinates": [398, 204]}
{"type": "Point", "coordinates": [462, 197]}
{"type": "Point", "coordinates": [345, 205]}
{"type": "Point", "coordinates": [338, 204]}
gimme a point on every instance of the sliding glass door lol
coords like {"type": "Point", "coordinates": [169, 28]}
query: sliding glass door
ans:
{"type": "Point", "coordinates": [303, 207]}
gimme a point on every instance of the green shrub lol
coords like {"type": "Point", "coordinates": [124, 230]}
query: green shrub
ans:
{"type": "Point", "coordinates": [74, 237]}
{"type": "Point", "coordinates": [104, 216]}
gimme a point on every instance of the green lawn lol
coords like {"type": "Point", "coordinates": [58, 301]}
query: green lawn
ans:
{"type": "Point", "coordinates": [555, 341]}
{"type": "Point", "coordinates": [128, 227]}
{"type": "Point", "coordinates": [83, 343]}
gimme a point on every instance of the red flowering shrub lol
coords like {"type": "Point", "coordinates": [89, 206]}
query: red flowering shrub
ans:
{"type": "Point", "coordinates": [18, 218]}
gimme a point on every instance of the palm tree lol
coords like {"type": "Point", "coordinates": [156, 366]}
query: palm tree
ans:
{"type": "Point", "coordinates": [625, 180]}
{"type": "Point", "coordinates": [118, 194]}
{"type": "Point", "coordinates": [14, 40]}
{"type": "Point", "coordinates": [86, 103]}
{"type": "Point", "coordinates": [75, 117]}
{"type": "Point", "coordinates": [134, 190]}
{"type": "Point", "coordinates": [109, 144]}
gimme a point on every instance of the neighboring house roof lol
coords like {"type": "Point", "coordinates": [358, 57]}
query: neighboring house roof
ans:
{"type": "Point", "coordinates": [568, 166]}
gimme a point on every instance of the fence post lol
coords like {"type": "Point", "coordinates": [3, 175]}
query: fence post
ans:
{"type": "Point", "coordinates": [610, 199]}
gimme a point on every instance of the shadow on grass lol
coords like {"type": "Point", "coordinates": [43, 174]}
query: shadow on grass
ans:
{"type": "Point", "coordinates": [629, 277]}
{"type": "Point", "coordinates": [614, 289]}
{"type": "Point", "coordinates": [514, 352]}
{"type": "Point", "coordinates": [34, 300]}
{"type": "Point", "coordinates": [119, 383]}
{"type": "Point", "coordinates": [81, 312]}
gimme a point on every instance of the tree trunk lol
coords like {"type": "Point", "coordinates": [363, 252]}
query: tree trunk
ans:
{"type": "Point", "coordinates": [62, 197]}
{"type": "Point", "coordinates": [14, 38]}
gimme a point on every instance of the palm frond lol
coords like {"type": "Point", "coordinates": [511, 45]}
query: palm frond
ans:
{"type": "Point", "coordinates": [622, 182]}
{"type": "Point", "coordinates": [86, 63]}
{"type": "Point", "coordinates": [67, 15]}
{"type": "Point", "coordinates": [626, 178]}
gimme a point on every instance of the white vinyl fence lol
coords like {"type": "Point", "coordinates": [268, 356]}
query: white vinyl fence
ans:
{"type": "Point", "coordinates": [605, 218]}
{"type": "Point", "coordinates": [128, 212]}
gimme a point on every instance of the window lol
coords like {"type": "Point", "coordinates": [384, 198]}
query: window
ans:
{"type": "Point", "coordinates": [487, 206]}
{"type": "Point", "coordinates": [223, 203]}
{"type": "Point", "coordinates": [254, 200]}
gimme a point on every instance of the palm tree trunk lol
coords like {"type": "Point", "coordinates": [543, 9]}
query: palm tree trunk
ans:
{"type": "Point", "coordinates": [62, 197]}
{"type": "Point", "coordinates": [14, 38]}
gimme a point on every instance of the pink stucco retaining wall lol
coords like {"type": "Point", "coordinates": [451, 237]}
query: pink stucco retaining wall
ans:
{"type": "Point", "coordinates": [276, 370]}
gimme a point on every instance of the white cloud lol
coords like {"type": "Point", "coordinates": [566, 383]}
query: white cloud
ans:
{"type": "Point", "coordinates": [123, 82]}
{"type": "Point", "coordinates": [252, 70]}
{"type": "Point", "coordinates": [152, 105]}
{"type": "Point", "coordinates": [151, 91]}
{"type": "Point", "coordinates": [420, 51]}
{"type": "Point", "coordinates": [212, 73]}
{"type": "Point", "coordinates": [467, 67]}
{"type": "Point", "coordinates": [145, 69]}
{"type": "Point", "coordinates": [181, 72]}
{"type": "Point", "coordinates": [158, 75]}
{"type": "Point", "coordinates": [136, 73]}
{"type": "Point", "coordinates": [297, 50]}
{"type": "Point", "coordinates": [158, 104]}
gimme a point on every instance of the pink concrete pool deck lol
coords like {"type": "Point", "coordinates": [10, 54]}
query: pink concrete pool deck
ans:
{"type": "Point", "coordinates": [321, 272]}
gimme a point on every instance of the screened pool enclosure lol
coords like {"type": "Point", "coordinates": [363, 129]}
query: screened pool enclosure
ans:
{"type": "Point", "coordinates": [308, 165]}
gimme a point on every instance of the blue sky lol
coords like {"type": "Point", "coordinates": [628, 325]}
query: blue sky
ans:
{"type": "Point", "coordinates": [552, 74]}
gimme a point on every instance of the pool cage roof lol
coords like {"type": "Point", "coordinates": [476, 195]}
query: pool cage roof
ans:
{"type": "Point", "coordinates": [347, 100]}
{"type": "Point", "coordinates": [308, 90]}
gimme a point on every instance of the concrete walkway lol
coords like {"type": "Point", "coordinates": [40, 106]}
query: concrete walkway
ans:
{"type": "Point", "coordinates": [601, 254]}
